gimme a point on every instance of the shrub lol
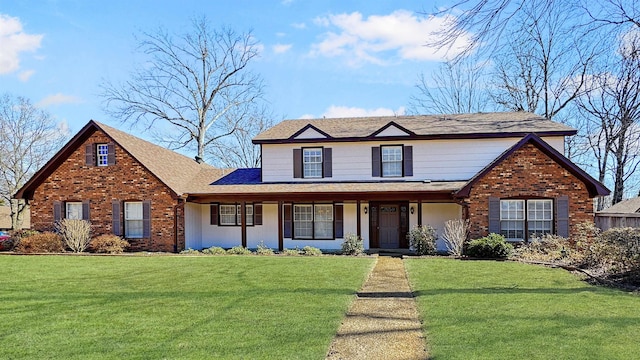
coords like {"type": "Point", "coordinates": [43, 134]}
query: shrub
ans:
{"type": "Point", "coordinates": [76, 233]}
{"type": "Point", "coordinates": [46, 242]}
{"type": "Point", "coordinates": [263, 249]}
{"type": "Point", "coordinates": [18, 235]}
{"type": "Point", "coordinates": [493, 246]}
{"type": "Point", "coordinates": [214, 250]}
{"type": "Point", "coordinates": [352, 245]}
{"type": "Point", "coordinates": [422, 240]}
{"type": "Point", "coordinates": [108, 244]}
{"type": "Point", "coordinates": [620, 249]}
{"type": "Point", "coordinates": [311, 251]}
{"type": "Point", "coordinates": [190, 251]}
{"type": "Point", "coordinates": [548, 248]}
{"type": "Point", "coordinates": [291, 252]}
{"type": "Point", "coordinates": [239, 250]}
{"type": "Point", "coordinates": [455, 234]}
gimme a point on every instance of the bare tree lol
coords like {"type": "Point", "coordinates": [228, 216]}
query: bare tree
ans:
{"type": "Point", "coordinates": [456, 87]}
{"type": "Point", "coordinates": [613, 107]}
{"type": "Point", "coordinates": [190, 83]}
{"type": "Point", "coordinates": [237, 150]}
{"type": "Point", "coordinates": [543, 67]}
{"type": "Point", "coordinates": [28, 138]}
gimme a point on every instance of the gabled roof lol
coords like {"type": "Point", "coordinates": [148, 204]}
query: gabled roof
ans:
{"type": "Point", "coordinates": [178, 172]}
{"type": "Point", "coordinates": [629, 206]}
{"type": "Point", "coordinates": [456, 126]}
{"type": "Point", "coordinates": [594, 187]}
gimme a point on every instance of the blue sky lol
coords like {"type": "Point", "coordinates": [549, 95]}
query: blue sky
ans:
{"type": "Point", "coordinates": [318, 58]}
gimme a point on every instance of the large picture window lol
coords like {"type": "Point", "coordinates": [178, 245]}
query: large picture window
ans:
{"type": "Point", "coordinates": [133, 220]}
{"type": "Point", "coordinates": [312, 162]}
{"type": "Point", "coordinates": [313, 221]}
{"type": "Point", "coordinates": [521, 219]}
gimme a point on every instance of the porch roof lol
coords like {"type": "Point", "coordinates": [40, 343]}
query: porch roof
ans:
{"type": "Point", "coordinates": [382, 190]}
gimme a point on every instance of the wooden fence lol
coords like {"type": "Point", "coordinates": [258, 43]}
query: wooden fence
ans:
{"type": "Point", "coordinates": [606, 221]}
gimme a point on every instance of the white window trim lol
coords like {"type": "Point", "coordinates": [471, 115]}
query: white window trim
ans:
{"type": "Point", "coordinates": [102, 154]}
{"type": "Point", "coordinates": [526, 220]}
{"type": "Point", "coordinates": [305, 163]}
{"type": "Point", "coordinates": [128, 217]}
{"type": "Point", "coordinates": [70, 212]}
{"type": "Point", "coordinates": [226, 215]}
{"type": "Point", "coordinates": [314, 214]}
{"type": "Point", "coordinates": [382, 160]}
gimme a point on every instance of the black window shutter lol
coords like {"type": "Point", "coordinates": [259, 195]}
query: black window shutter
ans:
{"type": "Point", "coordinates": [85, 210]}
{"type": "Point", "coordinates": [297, 163]}
{"type": "Point", "coordinates": [494, 215]}
{"type": "Point", "coordinates": [116, 216]}
{"type": "Point", "coordinates": [562, 216]}
{"type": "Point", "coordinates": [257, 214]}
{"type": "Point", "coordinates": [408, 160]}
{"type": "Point", "coordinates": [146, 219]}
{"type": "Point", "coordinates": [327, 163]}
{"type": "Point", "coordinates": [89, 156]}
{"type": "Point", "coordinates": [339, 220]}
{"type": "Point", "coordinates": [375, 161]}
{"type": "Point", "coordinates": [57, 211]}
{"type": "Point", "coordinates": [214, 214]}
{"type": "Point", "coordinates": [111, 154]}
{"type": "Point", "coordinates": [287, 221]}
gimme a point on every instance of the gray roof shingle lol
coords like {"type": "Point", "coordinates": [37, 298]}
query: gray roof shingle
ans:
{"type": "Point", "coordinates": [421, 125]}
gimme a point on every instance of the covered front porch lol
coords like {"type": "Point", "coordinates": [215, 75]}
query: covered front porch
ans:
{"type": "Point", "coordinates": [295, 215]}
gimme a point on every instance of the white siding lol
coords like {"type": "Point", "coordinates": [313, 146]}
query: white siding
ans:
{"type": "Point", "coordinates": [268, 231]}
{"type": "Point", "coordinates": [432, 159]}
{"type": "Point", "coordinates": [310, 134]}
{"type": "Point", "coordinates": [193, 226]}
{"type": "Point", "coordinates": [436, 215]}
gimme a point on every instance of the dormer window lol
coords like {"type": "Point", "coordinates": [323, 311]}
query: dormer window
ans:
{"type": "Point", "coordinates": [102, 152]}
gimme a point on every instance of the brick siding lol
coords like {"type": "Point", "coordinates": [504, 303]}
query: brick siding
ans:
{"type": "Point", "coordinates": [127, 180]}
{"type": "Point", "coordinates": [527, 173]}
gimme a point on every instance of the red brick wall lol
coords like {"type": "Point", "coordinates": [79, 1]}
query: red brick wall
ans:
{"type": "Point", "coordinates": [127, 180]}
{"type": "Point", "coordinates": [527, 173]}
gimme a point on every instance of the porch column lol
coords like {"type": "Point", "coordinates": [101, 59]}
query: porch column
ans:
{"type": "Point", "coordinates": [280, 234]}
{"type": "Point", "coordinates": [419, 212]}
{"type": "Point", "coordinates": [358, 219]}
{"type": "Point", "coordinates": [243, 220]}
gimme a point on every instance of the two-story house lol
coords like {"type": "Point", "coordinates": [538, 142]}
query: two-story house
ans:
{"type": "Point", "coordinates": [320, 179]}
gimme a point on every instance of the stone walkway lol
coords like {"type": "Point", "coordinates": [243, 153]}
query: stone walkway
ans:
{"type": "Point", "coordinates": [383, 321]}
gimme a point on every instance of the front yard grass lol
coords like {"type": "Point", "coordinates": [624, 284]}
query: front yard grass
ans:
{"type": "Point", "coordinates": [167, 307]}
{"type": "Point", "coordinates": [508, 310]}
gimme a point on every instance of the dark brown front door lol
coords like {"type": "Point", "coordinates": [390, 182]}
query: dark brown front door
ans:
{"type": "Point", "coordinates": [389, 226]}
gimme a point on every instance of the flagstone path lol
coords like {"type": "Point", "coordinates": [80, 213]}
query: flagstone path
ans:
{"type": "Point", "coordinates": [383, 321]}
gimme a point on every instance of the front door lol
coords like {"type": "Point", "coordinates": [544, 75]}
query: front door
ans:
{"type": "Point", "coordinates": [389, 226]}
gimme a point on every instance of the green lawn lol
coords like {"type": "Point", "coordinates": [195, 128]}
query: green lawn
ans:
{"type": "Point", "coordinates": [507, 310]}
{"type": "Point", "coordinates": [169, 307]}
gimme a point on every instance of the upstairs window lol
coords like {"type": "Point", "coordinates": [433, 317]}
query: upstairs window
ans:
{"type": "Point", "coordinates": [102, 151]}
{"type": "Point", "coordinates": [391, 161]}
{"type": "Point", "coordinates": [312, 162]}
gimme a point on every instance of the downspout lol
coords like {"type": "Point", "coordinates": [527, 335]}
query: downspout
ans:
{"type": "Point", "coordinates": [180, 202]}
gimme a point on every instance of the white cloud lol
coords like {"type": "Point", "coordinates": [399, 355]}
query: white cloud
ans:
{"type": "Point", "coordinates": [401, 33]}
{"type": "Point", "coordinates": [299, 26]}
{"type": "Point", "coordinates": [57, 99]}
{"type": "Point", "coordinates": [281, 48]}
{"type": "Point", "coordinates": [14, 42]}
{"type": "Point", "coordinates": [24, 76]}
{"type": "Point", "coordinates": [345, 111]}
